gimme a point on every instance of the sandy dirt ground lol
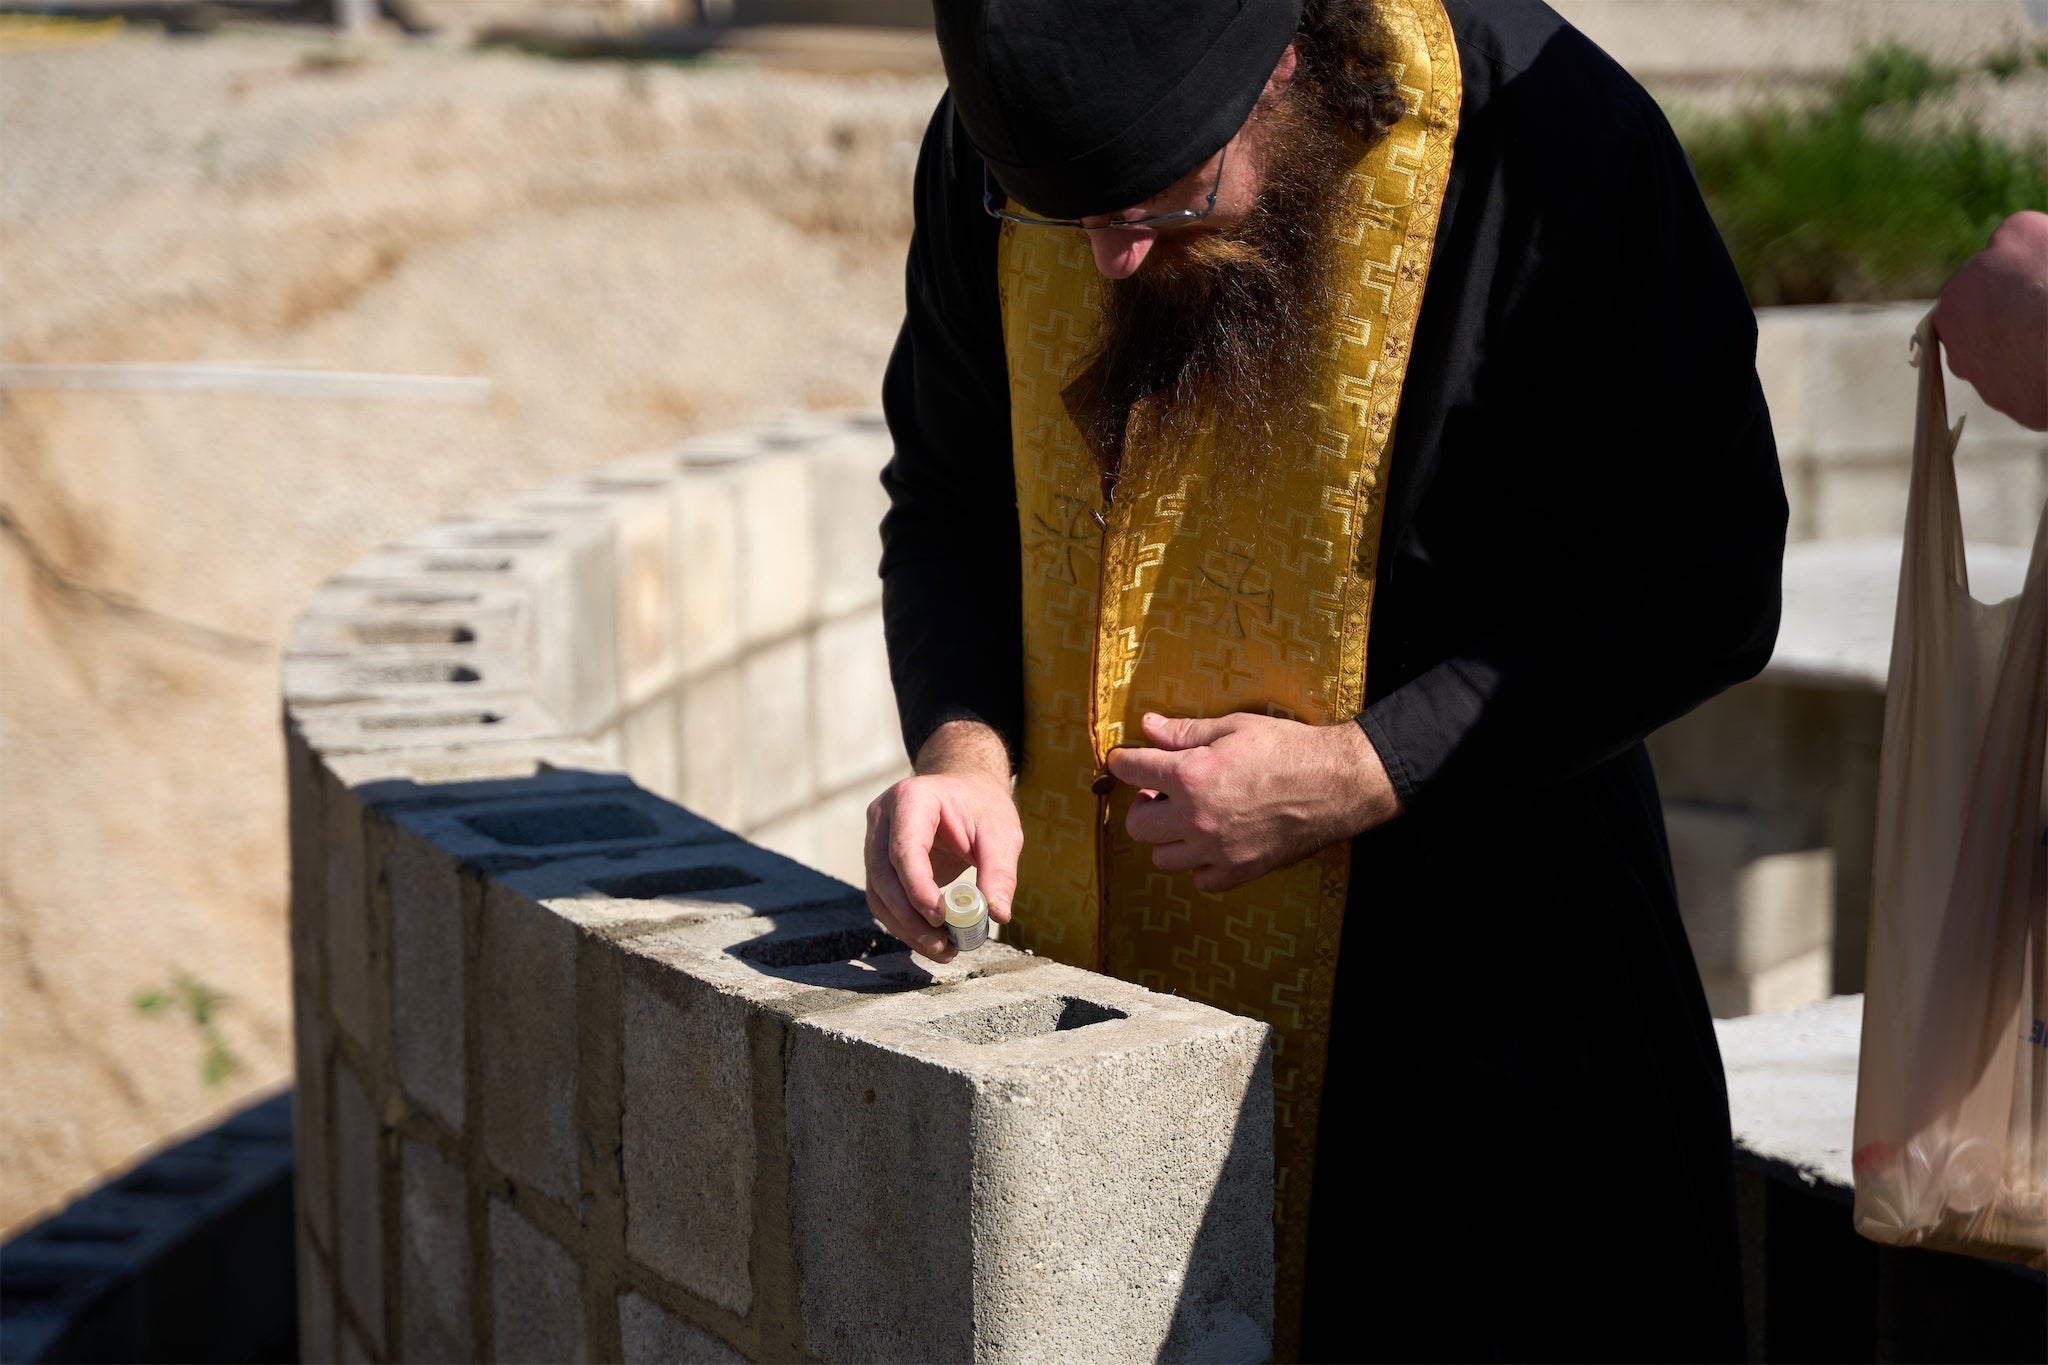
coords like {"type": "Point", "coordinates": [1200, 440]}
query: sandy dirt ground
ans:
{"type": "Point", "coordinates": [631, 254]}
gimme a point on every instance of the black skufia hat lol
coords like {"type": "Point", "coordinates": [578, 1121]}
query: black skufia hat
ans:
{"type": "Point", "coordinates": [1088, 106]}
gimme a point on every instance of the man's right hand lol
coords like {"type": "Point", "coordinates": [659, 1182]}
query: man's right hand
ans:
{"type": "Point", "coordinates": [926, 830]}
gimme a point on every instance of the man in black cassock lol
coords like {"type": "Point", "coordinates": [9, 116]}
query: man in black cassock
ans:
{"type": "Point", "coordinates": [1525, 1145]}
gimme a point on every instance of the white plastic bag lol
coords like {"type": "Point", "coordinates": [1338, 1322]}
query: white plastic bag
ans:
{"type": "Point", "coordinates": [1951, 1146]}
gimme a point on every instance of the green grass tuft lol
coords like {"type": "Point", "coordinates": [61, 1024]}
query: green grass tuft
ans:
{"type": "Point", "coordinates": [1829, 205]}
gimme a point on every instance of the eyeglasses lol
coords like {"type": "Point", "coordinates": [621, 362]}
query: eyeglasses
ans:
{"type": "Point", "coordinates": [992, 204]}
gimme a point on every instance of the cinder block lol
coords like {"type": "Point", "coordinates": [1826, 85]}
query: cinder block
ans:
{"type": "Point", "coordinates": [840, 827]}
{"type": "Point", "coordinates": [702, 1004]}
{"type": "Point", "coordinates": [651, 1335]}
{"type": "Point", "coordinates": [1063, 1213]}
{"type": "Point", "coordinates": [473, 719]}
{"type": "Point", "coordinates": [434, 1289]}
{"type": "Point", "coordinates": [777, 575]}
{"type": "Point", "coordinates": [437, 621]}
{"type": "Point", "coordinates": [794, 836]}
{"type": "Point", "coordinates": [1798, 981]}
{"type": "Point", "coordinates": [359, 1206]}
{"type": "Point", "coordinates": [1781, 349]}
{"type": "Point", "coordinates": [306, 832]}
{"type": "Point", "coordinates": [1866, 498]}
{"type": "Point", "coordinates": [1860, 381]}
{"type": "Point", "coordinates": [689, 1138]}
{"type": "Point", "coordinates": [423, 677]}
{"type": "Point", "coordinates": [729, 880]}
{"type": "Point", "coordinates": [350, 951]}
{"type": "Point", "coordinates": [316, 1304]}
{"type": "Point", "coordinates": [711, 729]}
{"type": "Point", "coordinates": [428, 975]}
{"type": "Point", "coordinates": [536, 1293]}
{"type": "Point", "coordinates": [776, 761]}
{"type": "Point", "coordinates": [847, 507]}
{"type": "Point", "coordinates": [1751, 897]}
{"type": "Point", "coordinates": [607, 819]}
{"type": "Point", "coordinates": [313, 1187]}
{"type": "Point", "coordinates": [645, 531]}
{"type": "Point", "coordinates": [653, 747]}
{"type": "Point", "coordinates": [853, 705]}
{"type": "Point", "coordinates": [486, 772]}
{"type": "Point", "coordinates": [2000, 489]}
{"type": "Point", "coordinates": [527, 974]}
{"type": "Point", "coordinates": [704, 589]}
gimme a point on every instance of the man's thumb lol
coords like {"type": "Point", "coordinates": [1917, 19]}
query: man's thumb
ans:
{"type": "Point", "coordinates": [1184, 732]}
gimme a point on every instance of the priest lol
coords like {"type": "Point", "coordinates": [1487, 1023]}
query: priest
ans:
{"type": "Point", "coordinates": [1327, 441]}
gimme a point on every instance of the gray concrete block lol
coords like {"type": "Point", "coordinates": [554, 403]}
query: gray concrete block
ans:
{"type": "Point", "coordinates": [351, 952]}
{"type": "Point", "coordinates": [853, 705]}
{"type": "Point", "coordinates": [536, 1293]}
{"type": "Point", "coordinates": [527, 977]}
{"type": "Point", "coordinates": [650, 1335]}
{"type": "Point", "coordinates": [644, 524]}
{"type": "Point", "coordinates": [846, 508]}
{"type": "Point", "coordinates": [688, 1132]}
{"type": "Point", "coordinates": [729, 880]}
{"type": "Point", "coordinates": [428, 975]}
{"type": "Point", "coordinates": [306, 835]}
{"type": "Point", "coordinates": [312, 1159]}
{"type": "Point", "coordinates": [776, 556]}
{"type": "Point", "coordinates": [316, 1304]}
{"type": "Point", "coordinates": [652, 746]}
{"type": "Point", "coordinates": [710, 730]}
{"type": "Point", "coordinates": [434, 1289]}
{"type": "Point", "coordinates": [359, 1203]}
{"type": "Point", "coordinates": [704, 590]}
{"type": "Point", "coordinates": [490, 718]}
{"type": "Point", "coordinates": [488, 772]}
{"type": "Point", "coordinates": [607, 819]}
{"type": "Point", "coordinates": [422, 677]}
{"type": "Point", "coordinates": [1752, 898]}
{"type": "Point", "coordinates": [1062, 1211]}
{"type": "Point", "coordinates": [777, 771]}
{"type": "Point", "coordinates": [840, 826]}
{"type": "Point", "coordinates": [794, 836]}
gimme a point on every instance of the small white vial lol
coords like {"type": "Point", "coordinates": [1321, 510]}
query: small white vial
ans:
{"type": "Point", "coordinates": [966, 912]}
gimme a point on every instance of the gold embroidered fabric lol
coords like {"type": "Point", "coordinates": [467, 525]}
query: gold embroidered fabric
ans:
{"type": "Point", "coordinates": [1177, 599]}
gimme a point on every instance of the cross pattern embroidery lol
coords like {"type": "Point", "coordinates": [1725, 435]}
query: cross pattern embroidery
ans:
{"type": "Point", "coordinates": [1054, 541]}
{"type": "Point", "coordinates": [1228, 579]}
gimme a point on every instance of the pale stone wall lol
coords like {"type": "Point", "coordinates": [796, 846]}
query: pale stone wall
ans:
{"type": "Point", "coordinates": [587, 1074]}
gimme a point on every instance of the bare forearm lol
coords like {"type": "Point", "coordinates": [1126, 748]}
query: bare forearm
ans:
{"type": "Point", "coordinates": [965, 747]}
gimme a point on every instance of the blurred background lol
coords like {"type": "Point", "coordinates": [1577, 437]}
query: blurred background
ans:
{"type": "Point", "coordinates": [583, 229]}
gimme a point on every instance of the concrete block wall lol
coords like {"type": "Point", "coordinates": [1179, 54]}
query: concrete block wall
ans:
{"type": "Point", "coordinates": [589, 1074]}
{"type": "Point", "coordinates": [1842, 402]}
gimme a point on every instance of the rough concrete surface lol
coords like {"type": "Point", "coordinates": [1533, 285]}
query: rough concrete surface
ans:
{"type": "Point", "coordinates": [1792, 1085]}
{"type": "Point", "coordinates": [615, 248]}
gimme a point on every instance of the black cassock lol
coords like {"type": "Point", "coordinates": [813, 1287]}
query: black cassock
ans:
{"type": "Point", "coordinates": [1525, 1145]}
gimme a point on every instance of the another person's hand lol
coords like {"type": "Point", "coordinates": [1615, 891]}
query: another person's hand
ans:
{"type": "Point", "coordinates": [1993, 320]}
{"type": "Point", "coordinates": [1233, 798]}
{"type": "Point", "coordinates": [926, 830]}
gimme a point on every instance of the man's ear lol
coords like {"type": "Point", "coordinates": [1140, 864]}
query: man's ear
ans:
{"type": "Point", "coordinates": [1283, 73]}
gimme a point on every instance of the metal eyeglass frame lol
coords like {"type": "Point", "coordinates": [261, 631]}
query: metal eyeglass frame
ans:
{"type": "Point", "coordinates": [991, 205]}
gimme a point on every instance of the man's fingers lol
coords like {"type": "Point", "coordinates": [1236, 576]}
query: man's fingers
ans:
{"type": "Point", "coordinates": [1185, 732]}
{"type": "Point", "coordinates": [996, 850]}
{"type": "Point", "coordinates": [912, 827]}
{"type": "Point", "coordinates": [1156, 769]}
{"type": "Point", "coordinates": [885, 892]}
{"type": "Point", "coordinates": [1177, 856]}
{"type": "Point", "coordinates": [1156, 820]}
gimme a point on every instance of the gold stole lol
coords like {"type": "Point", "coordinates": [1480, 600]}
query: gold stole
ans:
{"type": "Point", "coordinates": [1177, 600]}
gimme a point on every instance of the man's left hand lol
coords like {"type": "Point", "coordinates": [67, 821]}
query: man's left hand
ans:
{"type": "Point", "coordinates": [1232, 798]}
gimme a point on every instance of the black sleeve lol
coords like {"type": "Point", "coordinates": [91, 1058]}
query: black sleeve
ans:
{"type": "Point", "coordinates": [951, 574]}
{"type": "Point", "coordinates": [1646, 513]}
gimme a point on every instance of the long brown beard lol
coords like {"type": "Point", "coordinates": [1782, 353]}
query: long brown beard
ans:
{"type": "Point", "coordinates": [1219, 328]}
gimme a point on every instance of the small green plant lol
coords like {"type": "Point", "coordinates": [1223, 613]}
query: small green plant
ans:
{"type": "Point", "coordinates": [1825, 204]}
{"type": "Point", "coordinates": [187, 995]}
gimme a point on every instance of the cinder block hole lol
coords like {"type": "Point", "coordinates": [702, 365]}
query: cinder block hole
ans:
{"type": "Point", "coordinates": [94, 1234]}
{"type": "Point", "coordinates": [509, 538]}
{"type": "Point", "coordinates": [816, 950]}
{"type": "Point", "coordinates": [675, 881]}
{"type": "Point", "coordinates": [182, 1184]}
{"type": "Point", "coordinates": [1024, 1019]}
{"type": "Point", "coordinates": [424, 598]}
{"type": "Point", "coordinates": [467, 564]}
{"type": "Point", "coordinates": [444, 720]}
{"type": "Point", "coordinates": [422, 671]}
{"type": "Point", "coordinates": [541, 826]}
{"type": "Point", "coordinates": [413, 633]}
